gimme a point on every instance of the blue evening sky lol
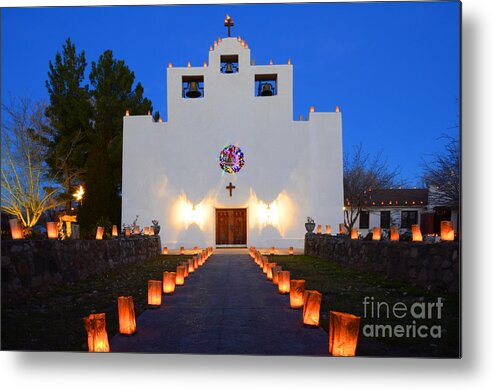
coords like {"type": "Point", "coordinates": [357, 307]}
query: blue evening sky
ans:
{"type": "Point", "coordinates": [393, 68]}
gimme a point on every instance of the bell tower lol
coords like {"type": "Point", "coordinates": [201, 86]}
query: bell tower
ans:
{"type": "Point", "coordinates": [229, 83]}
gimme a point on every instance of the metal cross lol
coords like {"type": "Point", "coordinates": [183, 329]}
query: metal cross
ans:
{"type": "Point", "coordinates": [228, 22]}
{"type": "Point", "coordinates": [231, 187]}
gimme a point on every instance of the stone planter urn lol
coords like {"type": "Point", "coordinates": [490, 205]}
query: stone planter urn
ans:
{"type": "Point", "coordinates": [157, 228]}
{"type": "Point", "coordinates": [309, 226]}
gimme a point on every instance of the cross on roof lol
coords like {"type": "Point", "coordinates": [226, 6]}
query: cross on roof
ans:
{"type": "Point", "coordinates": [231, 187]}
{"type": "Point", "coordinates": [228, 22]}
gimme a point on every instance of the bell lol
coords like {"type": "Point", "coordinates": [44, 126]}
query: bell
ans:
{"type": "Point", "coordinates": [266, 90]}
{"type": "Point", "coordinates": [229, 68]}
{"type": "Point", "coordinates": [193, 90]}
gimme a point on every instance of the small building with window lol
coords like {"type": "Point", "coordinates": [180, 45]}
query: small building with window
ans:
{"type": "Point", "coordinates": [403, 207]}
{"type": "Point", "coordinates": [399, 207]}
{"type": "Point", "coordinates": [230, 166]}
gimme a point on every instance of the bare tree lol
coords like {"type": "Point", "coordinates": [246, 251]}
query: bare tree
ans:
{"type": "Point", "coordinates": [442, 175]}
{"type": "Point", "coordinates": [26, 193]}
{"type": "Point", "coordinates": [361, 174]}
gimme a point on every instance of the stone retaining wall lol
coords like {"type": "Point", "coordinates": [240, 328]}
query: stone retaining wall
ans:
{"type": "Point", "coordinates": [30, 266]}
{"type": "Point", "coordinates": [432, 266]}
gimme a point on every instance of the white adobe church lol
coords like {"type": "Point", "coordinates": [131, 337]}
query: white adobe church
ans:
{"type": "Point", "coordinates": [231, 167]}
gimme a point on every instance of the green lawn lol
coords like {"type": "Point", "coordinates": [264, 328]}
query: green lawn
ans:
{"type": "Point", "coordinates": [52, 321]}
{"type": "Point", "coordinates": [343, 289]}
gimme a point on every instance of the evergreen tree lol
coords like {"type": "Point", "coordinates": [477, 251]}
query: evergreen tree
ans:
{"type": "Point", "coordinates": [69, 113]}
{"type": "Point", "coordinates": [112, 95]}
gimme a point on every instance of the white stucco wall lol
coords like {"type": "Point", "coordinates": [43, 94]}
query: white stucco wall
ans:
{"type": "Point", "coordinates": [293, 166]}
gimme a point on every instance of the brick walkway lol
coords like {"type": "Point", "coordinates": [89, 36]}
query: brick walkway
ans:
{"type": "Point", "coordinates": [226, 307]}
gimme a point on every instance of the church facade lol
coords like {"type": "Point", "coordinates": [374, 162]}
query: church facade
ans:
{"type": "Point", "coordinates": [230, 166]}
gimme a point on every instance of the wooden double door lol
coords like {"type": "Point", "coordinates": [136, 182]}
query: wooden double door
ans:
{"type": "Point", "coordinates": [231, 227]}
